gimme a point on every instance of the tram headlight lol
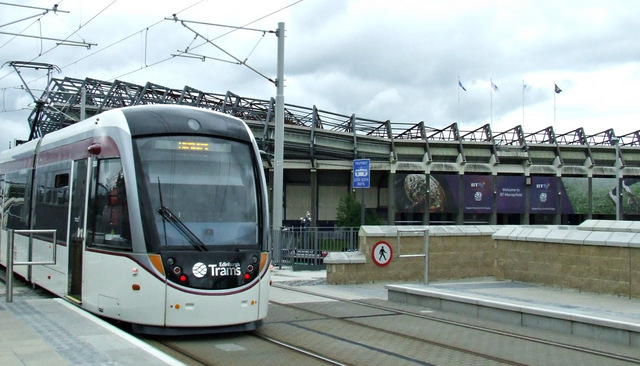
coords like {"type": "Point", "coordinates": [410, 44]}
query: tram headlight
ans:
{"type": "Point", "coordinates": [183, 278]}
{"type": "Point", "coordinates": [177, 270]}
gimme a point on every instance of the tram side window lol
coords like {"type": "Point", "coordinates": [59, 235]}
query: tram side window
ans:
{"type": "Point", "coordinates": [108, 214]}
{"type": "Point", "coordinates": [17, 203]}
{"type": "Point", "coordinates": [52, 200]}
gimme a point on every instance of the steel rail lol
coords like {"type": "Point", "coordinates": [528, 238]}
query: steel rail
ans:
{"type": "Point", "coordinates": [571, 347]}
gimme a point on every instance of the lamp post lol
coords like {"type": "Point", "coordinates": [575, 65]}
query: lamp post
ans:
{"type": "Point", "coordinates": [618, 166]}
{"type": "Point", "coordinates": [278, 173]}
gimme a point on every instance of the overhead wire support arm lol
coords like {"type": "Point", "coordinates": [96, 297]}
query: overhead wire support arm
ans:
{"type": "Point", "coordinates": [45, 11]}
{"type": "Point", "coordinates": [23, 19]}
{"type": "Point", "coordinates": [54, 8]}
{"type": "Point", "coordinates": [187, 54]}
{"type": "Point", "coordinates": [221, 25]}
{"type": "Point", "coordinates": [61, 42]}
{"type": "Point", "coordinates": [32, 65]}
{"type": "Point", "coordinates": [39, 102]}
{"type": "Point", "coordinates": [240, 62]}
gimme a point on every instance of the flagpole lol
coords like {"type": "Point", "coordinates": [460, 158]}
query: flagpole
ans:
{"type": "Point", "coordinates": [523, 86]}
{"type": "Point", "coordinates": [554, 105]}
{"type": "Point", "coordinates": [491, 91]}
{"type": "Point", "coordinates": [458, 88]}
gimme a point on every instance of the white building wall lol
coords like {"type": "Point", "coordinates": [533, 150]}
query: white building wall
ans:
{"type": "Point", "coordinates": [298, 201]}
{"type": "Point", "coordinates": [328, 199]}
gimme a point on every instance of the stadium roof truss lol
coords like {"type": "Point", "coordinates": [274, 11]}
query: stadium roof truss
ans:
{"type": "Point", "coordinates": [315, 134]}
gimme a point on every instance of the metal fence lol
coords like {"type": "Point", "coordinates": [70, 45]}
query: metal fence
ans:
{"type": "Point", "coordinates": [304, 248]}
{"type": "Point", "coordinates": [11, 253]}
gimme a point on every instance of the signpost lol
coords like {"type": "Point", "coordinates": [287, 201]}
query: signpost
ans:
{"type": "Point", "coordinates": [361, 179]}
{"type": "Point", "coordinates": [361, 173]}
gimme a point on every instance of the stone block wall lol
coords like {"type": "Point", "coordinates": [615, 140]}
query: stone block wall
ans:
{"type": "Point", "coordinates": [580, 264]}
{"type": "Point", "coordinates": [457, 257]}
{"type": "Point", "coordinates": [454, 253]}
{"type": "Point", "coordinates": [591, 257]}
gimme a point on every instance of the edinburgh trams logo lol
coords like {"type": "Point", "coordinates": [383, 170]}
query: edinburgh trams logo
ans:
{"type": "Point", "coordinates": [221, 269]}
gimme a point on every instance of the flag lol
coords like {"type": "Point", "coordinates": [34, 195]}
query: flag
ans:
{"type": "Point", "coordinates": [558, 90]}
{"type": "Point", "coordinates": [525, 87]}
{"type": "Point", "coordinates": [460, 84]}
{"type": "Point", "coordinates": [494, 86]}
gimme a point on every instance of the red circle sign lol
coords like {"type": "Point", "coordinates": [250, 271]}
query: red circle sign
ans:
{"type": "Point", "coordinates": [382, 253]}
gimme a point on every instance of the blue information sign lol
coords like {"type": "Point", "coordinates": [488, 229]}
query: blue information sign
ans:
{"type": "Point", "coordinates": [361, 173]}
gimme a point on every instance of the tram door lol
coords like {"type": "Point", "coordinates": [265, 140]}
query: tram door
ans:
{"type": "Point", "coordinates": [77, 228]}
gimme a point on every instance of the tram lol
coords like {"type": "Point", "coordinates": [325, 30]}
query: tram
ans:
{"type": "Point", "coordinates": [160, 214]}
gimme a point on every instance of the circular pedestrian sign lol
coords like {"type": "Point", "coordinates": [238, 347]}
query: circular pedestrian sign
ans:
{"type": "Point", "coordinates": [382, 253]}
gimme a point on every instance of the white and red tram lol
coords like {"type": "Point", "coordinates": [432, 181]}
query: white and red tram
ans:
{"type": "Point", "coordinates": [161, 217]}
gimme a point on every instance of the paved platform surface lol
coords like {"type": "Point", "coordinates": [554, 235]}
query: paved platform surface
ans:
{"type": "Point", "coordinates": [601, 317]}
{"type": "Point", "coordinates": [598, 316]}
{"type": "Point", "coordinates": [553, 300]}
{"type": "Point", "coordinates": [38, 331]}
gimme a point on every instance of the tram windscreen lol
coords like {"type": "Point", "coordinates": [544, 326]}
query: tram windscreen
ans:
{"type": "Point", "coordinates": [202, 190]}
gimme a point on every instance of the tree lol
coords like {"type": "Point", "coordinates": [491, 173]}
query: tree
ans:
{"type": "Point", "coordinates": [349, 215]}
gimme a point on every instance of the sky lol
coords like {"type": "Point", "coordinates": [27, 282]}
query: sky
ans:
{"type": "Point", "coordinates": [404, 60]}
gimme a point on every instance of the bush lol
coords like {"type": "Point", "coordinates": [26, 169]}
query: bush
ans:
{"type": "Point", "coordinates": [349, 215]}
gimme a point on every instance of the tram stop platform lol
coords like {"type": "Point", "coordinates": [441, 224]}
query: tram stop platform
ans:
{"type": "Point", "coordinates": [39, 331]}
{"type": "Point", "coordinates": [602, 317]}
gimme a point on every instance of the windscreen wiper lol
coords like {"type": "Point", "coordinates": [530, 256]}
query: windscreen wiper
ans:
{"type": "Point", "coordinates": [167, 215]}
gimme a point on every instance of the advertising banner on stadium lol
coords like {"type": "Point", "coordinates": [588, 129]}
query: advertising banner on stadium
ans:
{"type": "Point", "coordinates": [411, 192]}
{"type": "Point", "coordinates": [543, 196]}
{"type": "Point", "coordinates": [603, 195]}
{"type": "Point", "coordinates": [510, 194]}
{"type": "Point", "coordinates": [478, 193]}
{"type": "Point", "coordinates": [577, 198]}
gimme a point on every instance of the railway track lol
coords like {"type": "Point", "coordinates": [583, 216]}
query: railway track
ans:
{"type": "Point", "coordinates": [329, 330]}
{"type": "Point", "coordinates": [287, 354]}
{"type": "Point", "coordinates": [625, 355]}
{"type": "Point", "coordinates": [239, 349]}
{"type": "Point", "coordinates": [324, 329]}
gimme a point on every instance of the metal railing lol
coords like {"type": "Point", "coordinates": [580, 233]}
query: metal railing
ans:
{"type": "Point", "coordinates": [425, 249]}
{"type": "Point", "coordinates": [10, 255]}
{"type": "Point", "coordinates": [306, 247]}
